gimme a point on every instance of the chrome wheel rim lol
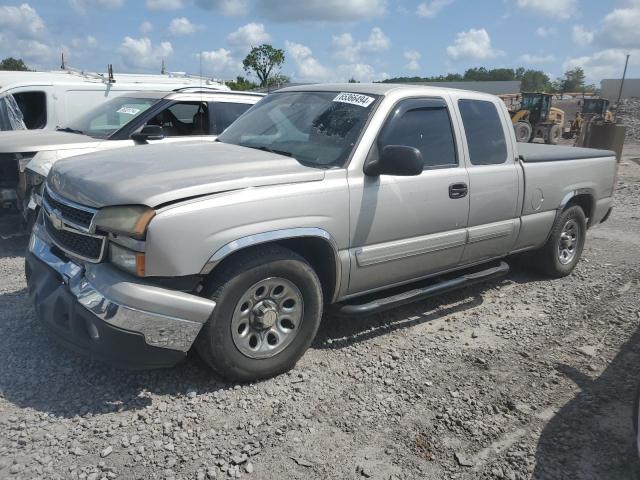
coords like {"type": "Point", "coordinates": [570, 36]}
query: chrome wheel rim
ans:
{"type": "Point", "coordinates": [267, 318]}
{"type": "Point", "coordinates": [568, 242]}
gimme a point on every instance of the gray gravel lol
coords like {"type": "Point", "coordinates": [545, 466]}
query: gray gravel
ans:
{"type": "Point", "coordinates": [520, 378]}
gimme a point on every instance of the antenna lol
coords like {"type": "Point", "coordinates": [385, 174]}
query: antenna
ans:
{"type": "Point", "coordinates": [62, 65]}
{"type": "Point", "coordinates": [110, 72]}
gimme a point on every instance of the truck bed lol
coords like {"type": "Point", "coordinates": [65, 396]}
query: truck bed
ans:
{"type": "Point", "coordinates": [536, 152]}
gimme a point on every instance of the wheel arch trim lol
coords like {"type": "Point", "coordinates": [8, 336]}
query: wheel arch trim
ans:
{"type": "Point", "coordinates": [274, 236]}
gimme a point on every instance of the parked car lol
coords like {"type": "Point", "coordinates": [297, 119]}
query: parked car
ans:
{"type": "Point", "coordinates": [319, 195]}
{"type": "Point", "coordinates": [47, 100]}
{"type": "Point", "coordinates": [127, 120]}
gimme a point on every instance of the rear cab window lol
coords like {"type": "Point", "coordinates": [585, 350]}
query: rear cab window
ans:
{"type": "Point", "coordinates": [483, 129]}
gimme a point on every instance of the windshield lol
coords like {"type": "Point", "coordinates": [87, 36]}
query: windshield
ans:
{"type": "Point", "coordinates": [318, 129]}
{"type": "Point", "coordinates": [106, 119]}
{"type": "Point", "coordinates": [10, 114]}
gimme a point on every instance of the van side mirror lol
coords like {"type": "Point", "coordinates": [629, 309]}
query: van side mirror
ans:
{"type": "Point", "coordinates": [398, 160]}
{"type": "Point", "coordinates": [148, 132]}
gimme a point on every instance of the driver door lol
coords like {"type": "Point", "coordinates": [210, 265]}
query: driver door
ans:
{"type": "Point", "coordinates": [405, 228]}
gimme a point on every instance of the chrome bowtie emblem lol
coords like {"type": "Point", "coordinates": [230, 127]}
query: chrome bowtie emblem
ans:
{"type": "Point", "coordinates": [56, 221]}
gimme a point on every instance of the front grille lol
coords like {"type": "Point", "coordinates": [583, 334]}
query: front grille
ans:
{"type": "Point", "coordinates": [72, 214]}
{"type": "Point", "coordinates": [79, 244]}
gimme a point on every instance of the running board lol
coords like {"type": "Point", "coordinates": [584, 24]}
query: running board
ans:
{"type": "Point", "coordinates": [385, 303]}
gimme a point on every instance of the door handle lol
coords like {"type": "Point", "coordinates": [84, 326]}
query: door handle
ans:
{"type": "Point", "coordinates": [458, 190]}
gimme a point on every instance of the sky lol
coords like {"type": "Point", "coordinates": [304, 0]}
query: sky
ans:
{"type": "Point", "coordinates": [326, 40]}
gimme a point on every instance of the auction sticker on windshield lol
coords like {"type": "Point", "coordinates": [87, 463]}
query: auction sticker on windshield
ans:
{"type": "Point", "coordinates": [128, 110]}
{"type": "Point", "coordinates": [354, 99]}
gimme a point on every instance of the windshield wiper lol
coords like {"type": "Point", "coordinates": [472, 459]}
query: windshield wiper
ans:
{"type": "Point", "coordinates": [269, 149]}
{"type": "Point", "coordinates": [69, 130]}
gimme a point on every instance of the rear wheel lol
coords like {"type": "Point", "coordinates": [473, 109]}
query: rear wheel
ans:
{"type": "Point", "coordinates": [268, 309]}
{"type": "Point", "coordinates": [523, 131]}
{"type": "Point", "coordinates": [563, 249]}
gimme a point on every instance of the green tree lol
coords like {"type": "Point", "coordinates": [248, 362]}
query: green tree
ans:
{"type": "Point", "coordinates": [15, 64]}
{"type": "Point", "coordinates": [534, 81]}
{"type": "Point", "coordinates": [277, 79]}
{"type": "Point", "coordinates": [264, 61]}
{"type": "Point", "coordinates": [242, 83]}
{"type": "Point", "coordinates": [573, 81]}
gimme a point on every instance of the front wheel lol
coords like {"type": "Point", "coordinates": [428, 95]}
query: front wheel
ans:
{"type": "Point", "coordinates": [563, 249]}
{"type": "Point", "coordinates": [268, 310]}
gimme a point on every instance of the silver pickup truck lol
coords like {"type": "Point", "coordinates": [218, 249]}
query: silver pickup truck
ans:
{"type": "Point", "coordinates": [350, 196]}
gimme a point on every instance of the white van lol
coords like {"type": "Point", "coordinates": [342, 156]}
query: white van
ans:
{"type": "Point", "coordinates": [49, 99]}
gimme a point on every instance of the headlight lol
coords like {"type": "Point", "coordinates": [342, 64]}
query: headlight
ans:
{"type": "Point", "coordinates": [125, 220]}
{"type": "Point", "coordinates": [128, 260]}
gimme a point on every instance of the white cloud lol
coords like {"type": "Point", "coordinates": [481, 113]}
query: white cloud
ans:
{"type": "Point", "coordinates": [621, 27]}
{"type": "Point", "coordinates": [226, 7]}
{"type": "Point", "coordinates": [165, 5]}
{"type": "Point", "coordinates": [250, 35]}
{"type": "Point", "coordinates": [561, 9]}
{"type": "Point", "coordinates": [23, 21]}
{"type": "Point", "coordinates": [222, 63]}
{"type": "Point", "coordinates": [581, 36]}
{"type": "Point", "coordinates": [322, 10]}
{"type": "Point", "coordinates": [472, 44]}
{"type": "Point", "coordinates": [84, 5]}
{"type": "Point", "coordinates": [307, 67]}
{"type": "Point", "coordinates": [23, 34]}
{"type": "Point", "coordinates": [146, 27]}
{"type": "Point", "coordinates": [604, 63]}
{"type": "Point", "coordinates": [361, 72]}
{"type": "Point", "coordinates": [412, 57]}
{"type": "Point", "coordinates": [534, 59]}
{"type": "Point", "coordinates": [182, 26]}
{"type": "Point", "coordinates": [140, 54]}
{"type": "Point", "coordinates": [545, 31]}
{"type": "Point", "coordinates": [431, 8]}
{"type": "Point", "coordinates": [85, 42]}
{"type": "Point", "coordinates": [350, 51]}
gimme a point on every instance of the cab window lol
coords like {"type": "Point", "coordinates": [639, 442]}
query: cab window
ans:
{"type": "Point", "coordinates": [424, 124]}
{"type": "Point", "coordinates": [183, 118]}
{"type": "Point", "coordinates": [485, 135]}
{"type": "Point", "coordinates": [225, 113]}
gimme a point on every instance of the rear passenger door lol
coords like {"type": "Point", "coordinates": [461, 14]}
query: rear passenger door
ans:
{"type": "Point", "coordinates": [404, 228]}
{"type": "Point", "coordinates": [493, 180]}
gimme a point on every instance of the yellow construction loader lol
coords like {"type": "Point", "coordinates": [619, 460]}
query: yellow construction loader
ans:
{"type": "Point", "coordinates": [535, 117]}
{"type": "Point", "coordinates": [593, 109]}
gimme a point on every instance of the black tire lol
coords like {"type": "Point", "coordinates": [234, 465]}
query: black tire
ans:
{"type": "Point", "coordinates": [215, 343]}
{"type": "Point", "coordinates": [522, 131]}
{"type": "Point", "coordinates": [553, 135]}
{"type": "Point", "coordinates": [547, 259]}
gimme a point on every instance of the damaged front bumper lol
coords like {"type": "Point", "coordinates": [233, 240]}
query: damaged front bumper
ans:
{"type": "Point", "coordinates": [100, 311]}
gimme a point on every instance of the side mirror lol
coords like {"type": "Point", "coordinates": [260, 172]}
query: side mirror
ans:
{"type": "Point", "coordinates": [148, 132]}
{"type": "Point", "coordinates": [398, 160]}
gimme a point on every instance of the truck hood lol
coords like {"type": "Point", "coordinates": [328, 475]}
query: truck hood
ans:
{"type": "Point", "coordinates": [153, 175]}
{"type": "Point", "coordinates": [22, 141]}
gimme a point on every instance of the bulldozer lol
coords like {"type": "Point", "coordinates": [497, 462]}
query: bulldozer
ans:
{"type": "Point", "coordinates": [535, 117]}
{"type": "Point", "coordinates": [593, 109]}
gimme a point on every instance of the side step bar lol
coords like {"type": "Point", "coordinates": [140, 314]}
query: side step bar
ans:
{"type": "Point", "coordinates": [386, 303]}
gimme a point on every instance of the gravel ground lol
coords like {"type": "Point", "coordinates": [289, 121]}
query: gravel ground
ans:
{"type": "Point", "coordinates": [520, 378]}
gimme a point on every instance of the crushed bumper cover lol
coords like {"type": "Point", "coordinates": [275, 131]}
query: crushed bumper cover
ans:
{"type": "Point", "coordinates": [102, 312]}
